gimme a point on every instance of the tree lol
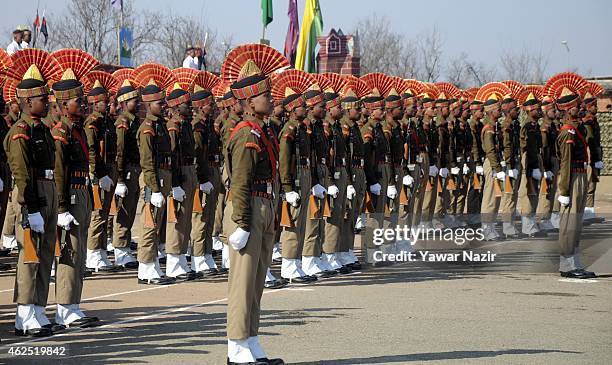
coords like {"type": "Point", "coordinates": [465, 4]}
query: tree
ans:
{"type": "Point", "coordinates": [525, 66]}
{"type": "Point", "coordinates": [465, 73]}
{"type": "Point", "coordinates": [430, 53]}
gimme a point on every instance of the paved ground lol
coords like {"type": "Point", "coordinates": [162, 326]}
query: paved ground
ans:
{"type": "Point", "coordinates": [514, 312]}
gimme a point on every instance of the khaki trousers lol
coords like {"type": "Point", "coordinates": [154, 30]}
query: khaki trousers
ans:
{"type": "Point", "coordinates": [383, 171]}
{"type": "Point", "coordinates": [177, 240]}
{"type": "Point", "coordinates": [420, 176]}
{"type": "Point", "coordinates": [202, 223]}
{"type": "Point", "coordinates": [69, 271]}
{"type": "Point", "coordinates": [591, 176]}
{"type": "Point", "coordinates": [570, 217]}
{"type": "Point", "coordinates": [547, 200]}
{"type": "Point", "coordinates": [315, 228]}
{"type": "Point", "coordinates": [292, 238]}
{"type": "Point", "coordinates": [32, 280]}
{"type": "Point", "coordinates": [354, 208]}
{"type": "Point", "coordinates": [12, 211]}
{"type": "Point", "coordinates": [124, 220]}
{"type": "Point", "coordinates": [151, 237]}
{"type": "Point", "coordinates": [98, 234]}
{"type": "Point", "coordinates": [490, 203]}
{"type": "Point", "coordinates": [333, 224]}
{"type": "Point", "coordinates": [218, 230]}
{"type": "Point", "coordinates": [248, 272]}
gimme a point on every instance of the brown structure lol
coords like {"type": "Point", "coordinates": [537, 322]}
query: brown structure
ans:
{"type": "Point", "coordinates": [338, 53]}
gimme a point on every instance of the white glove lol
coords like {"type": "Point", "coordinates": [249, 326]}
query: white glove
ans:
{"type": "Point", "coordinates": [105, 183]}
{"type": "Point", "coordinates": [433, 170]}
{"type": "Point", "coordinates": [536, 174]}
{"type": "Point", "coordinates": [350, 192]}
{"type": "Point", "coordinates": [157, 199]}
{"type": "Point", "coordinates": [408, 180]}
{"type": "Point", "coordinates": [375, 189]}
{"type": "Point", "coordinates": [598, 165]}
{"type": "Point", "coordinates": [500, 175]}
{"type": "Point", "coordinates": [37, 224]}
{"type": "Point", "coordinates": [292, 198]}
{"type": "Point", "coordinates": [513, 173]}
{"type": "Point", "coordinates": [121, 190]}
{"type": "Point", "coordinates": [479, 170]}
{"type": "Point", "coordinates": [1, 185]}
{"type": "Point", "coordinates": [318, 191]}
{"type": "Point", "coordinates": [444, 172]}
{"type": "Point", "coordinates": [503, 163]}
{"type": "Point", "coordinates": [239, 238]}
{"type": "Point", "coordinates": [564, 200]}
{"type": "Point", "coordinates": [207, 187]}
{"type": "Point", "coordinates": [455, 170]}
{"type": "Point", "coordinates": [466, 169]}
{"type": "Point", "coordinates": [391, 192]}
{"type": "Point", "coordinates": [333, 191]}
{"type": "Point", "coordinates": [548, 175]}
{"type": "Point", "coordinates": [178, 193]}
{"type": "Point", "coordinates": [65, 219]}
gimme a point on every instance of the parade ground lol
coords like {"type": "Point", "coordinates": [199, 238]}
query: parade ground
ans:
{"type": "Point", "coordinates": [411, 312]}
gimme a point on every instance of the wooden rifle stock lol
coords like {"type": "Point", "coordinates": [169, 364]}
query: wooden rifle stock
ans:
{"type": "Point", "coordinates": [508, 185]}
{"type": "Point", "coordinates": [440, 185]}
{"type": "Point", "coordinates": [58, 244]}
{"type": "Point", "coordinates": [197, 201]}
{"type": "Point", "coordinates": [114, 210]}
{"type": "Point", "coordinates": [286, 220]}
{"type": "Point", "coordinates": [30, 251]}
{"type": "Point", "coordinates": [97, 200]}
{"type": "Point", "coordinates": [313, 208]}
{"type": "Point", "coordinates": [450, 183]}
{"type": "Point", "coordinates": [369, 203]}
{"type": "Point", "coordinates": [326, 208]}
{"type": "Point", "coordinates": [149, 221]}
{"type": "Point", "coordinates": [544, 187]}
{"type": "Point", "coordinates": [497, 187]}
{"type": "Point", "coordinates": [428, 187]}
{"type": "Point", "coordinates": [403, 200]}
{"type": "Point", "coordinates": [171, 210]}
{"type": "Point", "coordinates": [476, 182]}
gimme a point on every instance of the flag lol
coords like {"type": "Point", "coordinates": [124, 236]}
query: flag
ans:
{"type": "Point", "coordinates": [43, 28]}
{"type": "Point", "coordinates": [117, 4]}
{"type": "Point", "coordinates": [35, 29]}
{"type": "Point", "coordinates": [293, 33]}
{"type": "Point", "coordinates": [266, 12]}
{"type": "Point", "coordinates": [312, 26]}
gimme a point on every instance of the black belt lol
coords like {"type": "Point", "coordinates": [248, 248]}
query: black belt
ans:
{"type": "Point", "coordinates": [262, 189]}
{"type": "Point", "coordinates": [189, 161]}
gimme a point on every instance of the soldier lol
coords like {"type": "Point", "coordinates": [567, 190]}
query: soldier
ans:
{"type": "Point", "coordinates": [443, 153]}
{"type": "Point", "coordinates": [510, 129]}
{"type": "Point", "coordinates": [314, 234]}
{"type": "Point", "coordinates": [128, 173]}
{"type": "Point", "coordinates": [549, 131]}
{"type": "Point", "coordinates": [414, 158]}
{"type": "Point", "coordinates": [252, 165]}
{"type": "Point", "coordinates": [531, 163]}
{"type": "Point", "coordinates": [572, 152]}
{"type": "Point", "coordinates": [474, 195]}
{"type": "Point", "coordinates": [10, 214]}
{"type": "Point", "coordinates": [295, 176]}
{"type": "Point", "coordinates": [157, 165]}
{"type": "Point", "coordinates": [460, 147]}
{"type": "Point", "coordinates": [208, 160]}
{"type": "Point", "coordinates": [493, 171]}
{"type": "Point", "coordinates": [102, 142]}
{"type": "Point", "coordinates": [430, 138]}
{"type": "Point", "coordinates": [182, 149]}
{"type": "Point", "coordinates": [73, 192]}
{"type": "Point", "coordinates": [356, 188]}
{"type": "Point", "coordinates": [593, 139]}
{"type": "Point", "coordinates": [31, 156]}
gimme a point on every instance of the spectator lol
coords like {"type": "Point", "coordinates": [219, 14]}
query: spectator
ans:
{"type": "Point", "coordinates": [190, 60]}
{"type": "Point", "coordinates": [15, 45]}
{"type": "Point", "coordinates": [200, 54]}
{"type": "Point", "coordinates": [27, 38]}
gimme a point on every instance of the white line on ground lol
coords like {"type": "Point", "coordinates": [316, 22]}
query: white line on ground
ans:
{"type": "Point", "coordinates": [114, 324]}
{"type": "Point", "coordinates": [581, 281]}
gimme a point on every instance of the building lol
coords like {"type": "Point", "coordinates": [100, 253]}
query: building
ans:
{"type": "Point", "coordinates": [338, 53]}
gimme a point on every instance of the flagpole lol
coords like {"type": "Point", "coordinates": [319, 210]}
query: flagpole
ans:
{"type": "Point", "coordinates": [119, 37]}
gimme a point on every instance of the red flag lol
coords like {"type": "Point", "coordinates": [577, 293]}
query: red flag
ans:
{"type": "Point", "coordinates": [35, 29]}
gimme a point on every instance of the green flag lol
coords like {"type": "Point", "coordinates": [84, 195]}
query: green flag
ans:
{"type": "Point", "coordinates": [312, 26]}
{"type": "Point", "coordinates": [315, 31]}
{"type": "Point", "coordinates": [266, 12]}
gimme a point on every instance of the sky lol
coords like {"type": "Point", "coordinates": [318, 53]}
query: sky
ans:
{"type": "Point", "coordinates": [482, 29]}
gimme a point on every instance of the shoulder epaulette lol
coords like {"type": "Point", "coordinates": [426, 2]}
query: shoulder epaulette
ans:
{"type": "Point", "coordinates": [253, 145]}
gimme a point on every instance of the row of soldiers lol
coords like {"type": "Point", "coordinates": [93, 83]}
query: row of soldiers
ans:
{"type": "Point", "coordinates": [220, 163]}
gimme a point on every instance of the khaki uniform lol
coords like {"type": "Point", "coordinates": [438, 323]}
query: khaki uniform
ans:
{"type": "Point", "coordinates": [182, 149]}
{"type": "Point", "coordinates": [461, 140]}
{"type": "Point", "coordinates": [223, 207]}
{"type": "Point", "coordinates": [314, 235]}
{"type": "Point", "coordinates": [337, 176]}
{"type": "Point", "coordinates": [474, 195]}
{"type": "Point", "coordinates": [156, 163]}
{"type": "Point", "coordinates": [295, 175]}
{"type": "Point", "coordinates": [11, 213]}
{"type": "Point", "coordinates": [511, 149]}
{"type": "Point", "coordinates": [491, 166]}
{"type": "Point", "coordinates": [572, 154]}
{"type": "Point", "coordinates": [429, 199]}
{"type": "Point", "coordinates": [128, 172]}
{"type": "Point", "coordinates": [418, 155]}
{"type": "Point", "coordinates": [208, 159]}
{"type": "Point", "coordinates": [7, 180]}
{"type": "Point", "coordinates": [531, 145]}
{"type": "Point", "coordinates": [550, 163]}
{"type": "Point", "coordinates": [593, 139]}
{"type": "Point", "coordinates": [444, 161]}
{"type": "Point", "coordinates": [102, 142]}
{"type": "Point", "coordinates": [74, 196]}
{"type": "Point", "coordinates": [252, 176]}
{"type": "Point", "coordinates": [31, 156]}
{"type": "Point", "coordinates": [394, 134]}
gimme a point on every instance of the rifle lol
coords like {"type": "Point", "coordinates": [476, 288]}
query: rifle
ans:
{"type": "Point", "coordinates": [286, 220]}
{"type": "Point", "coordinates": [197, 201]}
{"type": "Point", "coordinates": [29, 241]}
{"type": "Point", "coordinates": [61, 249]}
{"type": "Point", "coordinates": [369, 206]}
{"type": "Point", "coordinates": [313, 208]}
{"type": "Point", "coordinates": [508, 185]}
{"type": "Point", "coordinates": [149, 212]}
{"type": "Point", "coordinates": [114, 207]}
{"type": "Point", "coordinates": [327, 208]}
{"type": "Point", "coordinates": [97, 199]}
{"type": "Point", "coordinates": [173, 205]}
{"type": "Point", "coordinates": [450, 183]}
{"type": "Point", "coordinates": [544, 187]}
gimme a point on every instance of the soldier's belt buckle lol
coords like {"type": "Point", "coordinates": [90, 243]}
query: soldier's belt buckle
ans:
{"type": "Point", "coordinates": [49, 174]}
{"type": "Point", "coordinates": [411, 167]}
{"type": "Point", "coordinates": [269, 188]}
{"type": "Point", "coordinates": [337, 175]}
